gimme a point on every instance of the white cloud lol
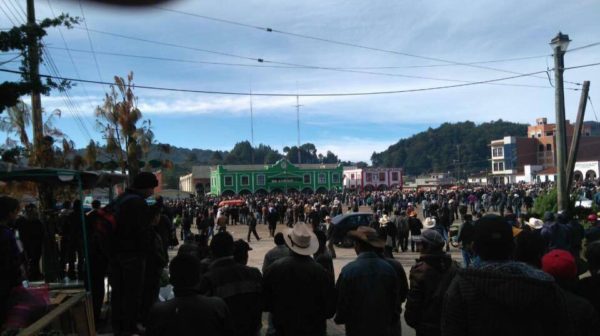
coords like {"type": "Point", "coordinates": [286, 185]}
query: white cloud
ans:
{"type": "Point", "coordinates": [353, 148]}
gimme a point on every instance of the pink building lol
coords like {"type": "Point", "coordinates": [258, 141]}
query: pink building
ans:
{"type": "Point", "coordinates": [371, 178]}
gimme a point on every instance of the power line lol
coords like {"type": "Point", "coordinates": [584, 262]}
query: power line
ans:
{"type": "Point", "coordinates": [52, 68]}
{"type": "Point", "coordinates": [261, 60]}
{"type": "Point", "coordinates": [73, 63]}
{"type": "Point", "coordinates": [168, 59]}
{"type": "Point", "coordinates": [584, 47]}
{"type": "Point", "coordinates": [348, 44]}
{"type": "Point", "coordinates": [308, 94]}
{"type": "Point", "coordinates": [10, 60]}
{"type": "Point", "coordinates": [593, 109]}
{"type": "Point", "coordinates": [90, 41]}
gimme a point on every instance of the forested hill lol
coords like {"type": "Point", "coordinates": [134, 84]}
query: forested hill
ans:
{"type": "Point", "coordinates": [462, 146]}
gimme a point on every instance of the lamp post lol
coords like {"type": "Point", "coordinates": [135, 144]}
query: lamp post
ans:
{"type": "Point", "coordinates": [559, 46]}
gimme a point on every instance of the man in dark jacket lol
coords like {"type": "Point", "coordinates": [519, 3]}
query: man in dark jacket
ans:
{"type": "Point", "coordinates": [299, 292]}
{"type": "Point", "coordinates": [561, 265]}
{"type": "Point", "coordinates": [429, 280]}
{"type": "Point", "coordinates": [499, 296]}
{"type": "Point", "coordinates": [238, 285]}
{"type": "Point", "coordinates": [189, 313]}
{"type": "Point", "coordinates": [132, 239]}
{"type": "Point", "coordinates": [589, 287]}
{"type": "Point", "coordinates": [465, 238]}
{"type": "Point", "coordinates": [31, 233]}
{"type": "Point", "coordinates": [368, 289]}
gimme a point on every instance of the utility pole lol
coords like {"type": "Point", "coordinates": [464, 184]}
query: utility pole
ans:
{"type": "Point", "coordinates": [298, 127]}
{"type": "Point", "coordinates": [559, 46]}
{"type": "Point", "coordinates": [578, 127]}
{"type": "Point", "coordinates": [251, 125]}
{"type": "Point", "coordinates": [34, 79]}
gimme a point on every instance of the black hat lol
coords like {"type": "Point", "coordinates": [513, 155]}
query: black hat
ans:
{"type": "Point", "coordinates": [240, 245]}
{"type": "Point", "coordinates": [145, 180]}
{"type": "Point", "coordinates": [493, 238]}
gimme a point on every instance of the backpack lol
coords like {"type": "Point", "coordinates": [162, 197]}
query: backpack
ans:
{"type": "Point", "coordinates": [105, 224]}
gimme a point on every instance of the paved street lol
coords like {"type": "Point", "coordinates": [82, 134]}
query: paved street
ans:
{"type": "Point", "coordinates": [344, 256]}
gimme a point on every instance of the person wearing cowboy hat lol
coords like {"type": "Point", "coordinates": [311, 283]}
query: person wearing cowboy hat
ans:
{"type": "Point", "coordinates": [415, 226]}
{"type": "Point", "coordinates": [329, 233]}
{"type": "Point", "coordinates": [368, 289]}
{"type": "Point", "coordinates": [299, 293]}
{"type": "Point", "coordinates": [388, 230]}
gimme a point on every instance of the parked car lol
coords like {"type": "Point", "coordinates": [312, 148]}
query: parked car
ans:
{"type": "Point", "coordinates": [344, 223]}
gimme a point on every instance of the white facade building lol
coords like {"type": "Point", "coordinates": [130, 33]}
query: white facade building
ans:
{"type": "Point", "coordinates": [372, 178]}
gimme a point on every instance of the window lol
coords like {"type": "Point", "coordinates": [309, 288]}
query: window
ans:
{"type": "Point", "coordinates": [498, 166]}
{"type": "Point", "coordinates": [352, 176]}
{"type": "Point", "coordinates": [539, 135]}
{"type": "Point", "coordinates": [394, 176]}
{"type": "Point", "coordinates": [335, 178]}
{"type": "Point", "coordinates": [228, 181]}
{"type": "Point", "coordinates": [382, 176]}
{"type": "Point", "coordinates": [260, 180]}
{"type": "Point", "coordinates": [306, 178]}
{"type": "Point", "coordinates": [549, 147]}
{"type": "Point", "coordinates": [541, 147]}
{"type": "Point", "coordinates": [369, 177]}
{"type": "Point", "coordinates": [497, 151]}
{"type": "Point", "coordinates": [245, 180]}
{"type": "Point", "coordinates": [322, 179]}
{"type": "Point", "coordinates": [550, 133]}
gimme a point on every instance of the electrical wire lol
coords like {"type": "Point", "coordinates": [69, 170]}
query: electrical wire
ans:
{"type": "Point", "coordinates": [52, 68]}
{"type": "Point", "coordinates": [261, 60]}
{"type": "Point", "coordinates": [309, 94]}
{"type": "Point", "coordinates": [584, 47]}
{"type": "Point", "coordinates": [73, 63]}
{"type": "Point", "coordinates": [348, 44]}
{"type": "Point", "coordinates": [10, 60]}
{"type": "Point", "coordinates": [287, 67]}
{"type": "Point", "coordinates": [90, 41]}
{"type": "Point", "coordinates": [593, 109]}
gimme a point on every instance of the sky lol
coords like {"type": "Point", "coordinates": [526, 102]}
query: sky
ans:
{"type": "Point", "coordinates": [438, 34]}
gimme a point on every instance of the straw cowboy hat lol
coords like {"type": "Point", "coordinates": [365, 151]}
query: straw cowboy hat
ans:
{"type": "Point", "coordinates": [384, 220]}
{"type": "Point", "coordinates": [429, 223]}
{"type": "Point", "coordinates": [301, 239]}
{"type": "Point", "coordinates": [535, 223]}
{"type": "Point", "coordinates": [367, 235]}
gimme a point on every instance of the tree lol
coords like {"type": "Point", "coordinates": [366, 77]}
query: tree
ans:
{"type": "Point", "coordinates": [216, 159]}
{"type": "Point", "coordinates": [118, 118]}
{"type": "Point", "coordinates": [19, 38]}
{"type": "Point", "coordinates": [91, 154]}
{"type": "Point", "coordinates": [17, 121]}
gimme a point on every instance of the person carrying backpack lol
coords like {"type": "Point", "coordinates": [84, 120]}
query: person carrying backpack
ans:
{"type": "Point", "coordinates": [130, 244]}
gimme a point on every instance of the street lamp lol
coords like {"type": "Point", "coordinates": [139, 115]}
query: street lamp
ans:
{"type": "Point", "coordinates": [560, 41]}
{"type": "Point", "coordinates": [559, 46]}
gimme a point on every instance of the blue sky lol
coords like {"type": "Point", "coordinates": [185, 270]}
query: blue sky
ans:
{"type": "Point", "coordinates": [353, 127]}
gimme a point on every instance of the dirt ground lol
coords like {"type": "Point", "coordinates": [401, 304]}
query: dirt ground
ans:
{"type": "Point", "coordinates": [344, 256]}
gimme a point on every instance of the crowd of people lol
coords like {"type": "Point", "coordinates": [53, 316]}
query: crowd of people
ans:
{"type": "Point", "coordinates": [521, 272]}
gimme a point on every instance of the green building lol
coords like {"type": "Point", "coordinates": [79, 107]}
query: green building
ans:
{"type": "Point", "coordinates": [281, 176]}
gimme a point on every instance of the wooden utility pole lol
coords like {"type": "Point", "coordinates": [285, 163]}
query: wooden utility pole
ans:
{"type": "Point", "coordinates": [578, 127]}
{"type": "Point", "coordinates": [34, 79]}
{"type": "Point", "coordinates": [559, 46]}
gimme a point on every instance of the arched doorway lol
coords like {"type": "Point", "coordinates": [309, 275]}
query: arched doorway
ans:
{"type": "Point", "coordinates": [577, 176]}
{"type": "Point", "coordinates": [277, 191]}
{"type": "Point", "coordinates": [382, 187]}
{"type": "Point", "coordinates": [261, 192]}
{"type": "Point", "coordinates": [292, 190]}
{"type": "Point", "coordinates": [369, 188]}
{"type": "Point", "coordinates": [228, 193]}
{"type": "Point", "coordinates": [590, 175]}
{"type": "Point", "coordinates": [321, 190]}
{"type": "Point", "coordinates": [245, 192]}
{"type": "Point", "coordinates": [307, 191]}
